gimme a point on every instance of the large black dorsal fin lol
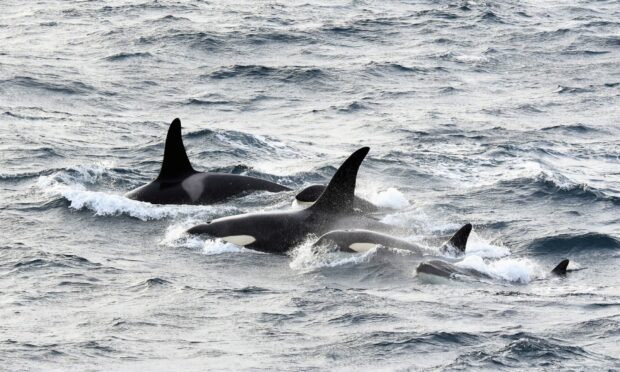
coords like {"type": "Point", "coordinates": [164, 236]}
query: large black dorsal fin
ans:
{"type": "Point", "coordinates": [339, 194]}
{"type": "Point", "coordinates": [176, 163]}
{"type": "Point", "coordinates": [458, 240]}
{"type": "Point", "coordinates": [561, 268]}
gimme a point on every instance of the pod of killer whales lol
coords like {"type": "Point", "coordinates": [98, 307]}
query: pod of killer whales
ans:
{"type": "Point", "coordinates": [342, 220]}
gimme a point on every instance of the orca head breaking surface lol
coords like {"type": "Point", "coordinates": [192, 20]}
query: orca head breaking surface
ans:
{"type": "Point", "coordinates": [179, 183]}
{"type": "Point", "coordinates": [277, 232]}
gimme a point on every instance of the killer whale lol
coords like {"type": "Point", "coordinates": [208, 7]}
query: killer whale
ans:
{"type": "Point", "coordinates": [448, 270]}
{"type": "Point", "coordinates": [364, 240]}
{"type": "Point", "coordinates": [277, 232]}
{"type": "Point", "coordinates": [179, 183]}
{"type": "Point", "coordinates": [311, 193]}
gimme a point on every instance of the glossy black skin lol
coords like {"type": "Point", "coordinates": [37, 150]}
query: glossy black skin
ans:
{"type": "Point", "coordinates": [344, 238]}
{"type": "Point", "coordinates": [277, 232]}
{"type": "Point", "coordinates": [312, 193]}
{"type": "Point", "coordinates": [179, 183]}
{"type": "Point", "coordinates": [201, 189]}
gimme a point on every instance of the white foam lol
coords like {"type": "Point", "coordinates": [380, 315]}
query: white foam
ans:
{"type": "Point", "coordinates": [478, 246]}
{"type": "Point", "coordinates": [177, 237]}
{"type": "Point", "coordinates": [516, 270]}
{"type": "Point", "coordinates": [470, 58]}
{"type": "Point", "coordinates": [390, 198]}
{"type": "Point", "coordinates": [530, 170]}
{"type": "Point", "coordinates": [560, 181]}
{"type": "Point", "coordinates": [91, 173]}
{"type": "Point", "coordinates": [417, 220]}
{"type": "Point", "coordinates": [307, 258]}
{"type": "Point", "coordinates": [106, 204]}
{"type": "Point", "coordinates": [218, 246]}
{"type": "Point", "coordinates": [572, 265]}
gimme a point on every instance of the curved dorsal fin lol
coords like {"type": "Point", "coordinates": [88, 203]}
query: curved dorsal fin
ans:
{"type": "Point", "coordinates": [561, 268]}
{"type": "Point", "coordinates": [176, 163]}
{"type": "Point", "coordinates": [340, 192]}
{"type": "Point", "coordinates": [458, 240]}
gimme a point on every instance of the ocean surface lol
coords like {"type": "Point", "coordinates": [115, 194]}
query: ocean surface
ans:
{"type": "Point", "coordinates": [505, 114]}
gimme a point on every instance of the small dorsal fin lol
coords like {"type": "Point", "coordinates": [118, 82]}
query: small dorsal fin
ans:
{"type": "Point", "coordinates": [310, 193]}
{"type": "Point", "coordinates": [176, 163]}
{"type": "Point", "coordinates": [340, 192]}
{"type": "Point", "coordinates": [459, 239]}
{"type": "Point", "coordinates": [560, 269]}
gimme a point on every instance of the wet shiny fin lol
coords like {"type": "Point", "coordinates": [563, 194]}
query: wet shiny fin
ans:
{"type": "Point", "coordinates": [340, 192]}
{"type": "Point", "coordinates": [459, 239]}
{"type": "Point", "coordinates": [561, 268]}
{"type": "Point", "coordinates": [176, 163]}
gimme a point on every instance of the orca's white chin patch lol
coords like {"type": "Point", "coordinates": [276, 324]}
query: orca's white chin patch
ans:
{"type": "Point", "coordinates": [362, 247]}
{"type": "Point", "coordinates": [241, 240]}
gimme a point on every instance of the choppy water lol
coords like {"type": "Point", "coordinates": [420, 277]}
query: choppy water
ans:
{"type": "Point", "coordinates": [500, 113]}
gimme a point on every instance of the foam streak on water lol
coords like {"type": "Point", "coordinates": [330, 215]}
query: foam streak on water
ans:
{"type": "Point", "coordinates": [499, 113]}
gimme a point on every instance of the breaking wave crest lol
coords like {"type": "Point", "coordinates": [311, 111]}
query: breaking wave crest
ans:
{"type": "Point", "coordinates": [71, 185]}
{"type": "Point", "coordinates": [481, 247]}
{"type": "Point", "coordinates": [546, 184]}
{"type": "Point", "coordinates": [574, 243]}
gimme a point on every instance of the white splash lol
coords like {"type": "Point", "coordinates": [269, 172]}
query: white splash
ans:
{"type": "Point", "coordinates": [92, 173]}
{"type": "Point", "coordinates": [390, 198]}
{"type": "Point", "coordinates": [516, 270]}
{"type": "Point", "coordinates": [106, 204]}
{"type": "Point", "coordinates": [478, 246]}
{"type": "Point", "coordinates": [306, 258]}
{"type": "Point", "coordinates": [218, 246]}
{"type": "Point", "coordinates": [177, 237]}
{"type": "Point", "coordinates": [560, 181]}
